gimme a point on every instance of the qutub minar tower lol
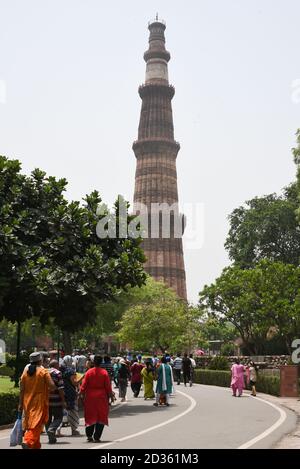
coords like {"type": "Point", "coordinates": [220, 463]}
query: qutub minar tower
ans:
{"type": "Point", "coordinates": [156, 152]}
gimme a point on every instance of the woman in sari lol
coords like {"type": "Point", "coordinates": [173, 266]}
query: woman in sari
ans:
{"type": "Point", "coordinates": [237, 378]}
{"type": "Point", "coordinates": [148, 375]}
{"type": "Point", "coordinates": [96, 392]}
{"type": "Point", "coordinates": [35, 385]}
{"type": "Point", "coordinates": [164, 385]}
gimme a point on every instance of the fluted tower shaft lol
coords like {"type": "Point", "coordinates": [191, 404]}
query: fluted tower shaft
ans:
{"type": "Point", "coordinates": [156, 152]}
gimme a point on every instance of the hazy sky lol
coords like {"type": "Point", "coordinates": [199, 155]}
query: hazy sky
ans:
{"type": "Point", "coordinates": [69, 73]}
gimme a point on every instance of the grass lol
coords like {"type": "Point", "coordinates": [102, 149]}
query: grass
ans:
{"type": "Point", "coordinates": [6, 384]}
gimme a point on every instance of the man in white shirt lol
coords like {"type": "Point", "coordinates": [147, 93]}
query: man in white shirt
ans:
{"type": "Point", "coordinates": [177, 366]}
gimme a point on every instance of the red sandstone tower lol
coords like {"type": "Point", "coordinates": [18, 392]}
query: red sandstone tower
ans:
{"type": "Point", "coordinates": [156, 177]}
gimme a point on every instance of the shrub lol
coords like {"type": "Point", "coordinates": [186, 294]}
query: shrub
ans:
{"type": "Point", "coordinates": [219, 363]}
{"type": "Point", "coordinates": [8, 407]}
{"type": "Point", "coordinates": [6, 371]}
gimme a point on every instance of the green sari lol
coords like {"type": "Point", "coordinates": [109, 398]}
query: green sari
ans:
{"type": "Point", "coordinates": [148, 379]}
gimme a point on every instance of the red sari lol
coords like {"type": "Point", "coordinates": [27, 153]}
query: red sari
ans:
{"type": "Point", "coordinates": [96, 388]}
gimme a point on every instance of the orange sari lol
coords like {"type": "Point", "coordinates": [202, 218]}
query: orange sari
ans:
{"type": "Point", "coordinates": [35, 405]}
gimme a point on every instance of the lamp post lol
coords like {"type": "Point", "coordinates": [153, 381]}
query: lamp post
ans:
{"type": "Point", "coordinates": [33, 329]}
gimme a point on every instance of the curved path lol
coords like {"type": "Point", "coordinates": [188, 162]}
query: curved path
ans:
{"type": "Point", "coordinates": [198, 417]}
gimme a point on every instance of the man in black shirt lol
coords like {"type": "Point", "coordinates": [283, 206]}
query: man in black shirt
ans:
{"type": "Point", "coordinates": [186, 369]}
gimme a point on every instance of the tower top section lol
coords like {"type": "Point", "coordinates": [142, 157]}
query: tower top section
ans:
{"type": "Point", "coordinates": [157, 57]}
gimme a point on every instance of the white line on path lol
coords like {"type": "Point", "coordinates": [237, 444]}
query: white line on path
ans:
{"type": "Point", "coordinates": [271, 429]}
{"type": "Point", "coordinates": [154, 427]}
{"type": "Point", "coordinates": [193, 404]}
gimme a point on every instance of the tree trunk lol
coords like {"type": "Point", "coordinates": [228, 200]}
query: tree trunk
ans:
{"type": "Point", "coordinates": [288, 345]}
{"type": "Point", "coordinates": [67, 342]}
{"type": "Point", "coordinates": [17, 369]}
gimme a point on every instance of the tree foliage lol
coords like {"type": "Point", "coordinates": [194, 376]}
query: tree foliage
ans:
{"type": "Point", "coordinates": [27, 204]}
{"type": "Point", "coordinates": [296, 154]}
{"type": "Point", "coordinates": [52, 263]}
{"type": "Point", "coordinates": [266, 228]}
{"type": "Point", "coordinates": [254, 300]}
{"type": "Point", "coordinates": [158, 319]}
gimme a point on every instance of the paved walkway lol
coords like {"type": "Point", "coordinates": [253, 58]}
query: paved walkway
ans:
{"type": "Point", "coordinates": [198, 417]}
{"type": "Point", "coordinates": [292, 439]}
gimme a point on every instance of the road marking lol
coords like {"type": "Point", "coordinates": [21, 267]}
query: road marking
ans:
{"type": "Point", "coordinates": [270, 430]}
{"type": "Point", "coordinates": [193, 404]}
{"type": "Point", "coordinates": [154, 427]}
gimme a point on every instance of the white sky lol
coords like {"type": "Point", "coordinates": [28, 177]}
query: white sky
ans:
{"type": "Point", "coordinates": [69, 73]}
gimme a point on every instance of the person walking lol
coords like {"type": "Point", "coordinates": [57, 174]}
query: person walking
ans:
{"type": "Point", "coordinates": [136, 377]}
{"type": "Point", "coordinates": [237, 378]}
{"type": "Point", "coordinates": [96, 392]}
{"type": "Point", "coordinates": [164, 383]}
{"type": "Point", "coordinates": [154, 360]}
{"type": "Point", "coordinates": [192, 367]}
{"type": "Point", "coordinates": [71, 384]}
{"type": "Point", "coordinates": [116, 371]}
{"type": "Point", "coordinates": [186, 369]}
{"type": "Point", "coordinates": [108, 366]}
{"type": "Point", "coordinates": [57, 402]}
{"type": "Point", "coordinates": [123, 376]}
{"type": "Point", "coordinates": [148, 375]}
{"type": "Point", "coordinates": [253, 377]}
{"type": "Point", "coordinates": [177, 367]}
{"type": "Point", "coordinates": [35, 385]}
{"type": "Point", "coordinates": [80, 363]}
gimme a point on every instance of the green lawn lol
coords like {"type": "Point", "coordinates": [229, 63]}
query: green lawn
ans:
{"type": "Point", "coordinates": [6, 384]}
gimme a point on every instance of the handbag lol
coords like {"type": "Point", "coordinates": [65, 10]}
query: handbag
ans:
{"type": "Point", "coordinates": [16, 434]}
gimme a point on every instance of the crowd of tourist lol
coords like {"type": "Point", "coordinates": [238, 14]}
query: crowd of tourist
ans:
{"type": "Point", "coordinates": [52, 388]}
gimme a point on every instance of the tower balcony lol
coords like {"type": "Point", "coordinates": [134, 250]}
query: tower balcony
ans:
{"type": "Point", "coordinates": [157, 54]}
{"type": "Point", "coordinates": [153, 88]}
{"type": "Point", "coordinates": [155, 145]}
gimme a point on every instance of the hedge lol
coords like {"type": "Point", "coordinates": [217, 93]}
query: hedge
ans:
{"type": "Point", "coordinates": [8, 407]}
{"type": "Point", "coordinates": [213, 377]}
{"type": "Point", "coordinates": [266, 384]}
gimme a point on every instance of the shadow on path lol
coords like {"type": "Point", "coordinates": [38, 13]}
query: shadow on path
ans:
{"type": "Point", "coordinates": [125, 411]}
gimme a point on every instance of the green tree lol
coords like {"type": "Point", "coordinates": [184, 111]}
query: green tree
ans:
{"type": "Point", "coordinates": [255, 300]}
{"type": "Point", "coordinates": [233, 298]}
{"type": "Point", "coordinates": [81, 269]}
{"type": "Point", "coordinates": [52, 263]}
{"type": "Point", "coordinates": [296, 154]}
{"type": "Point", "coordinates": [280, 298]}
{"type": "Point", "coordinates": [26, 206]}
{"type": "Point", "coordinates": [266, 228]}
{"type": "Point", "coordinates": [212, 329]}
{"type": "Point", "coordinates": [158, 319]}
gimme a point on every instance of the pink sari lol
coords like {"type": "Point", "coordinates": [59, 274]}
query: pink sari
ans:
{"type": "Point", "coordinates": [237, 379]}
